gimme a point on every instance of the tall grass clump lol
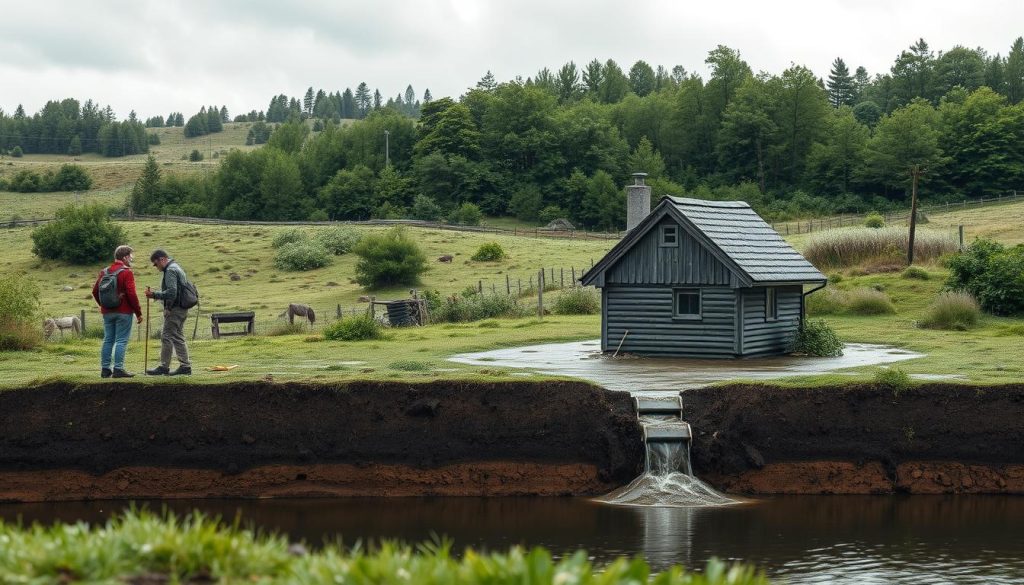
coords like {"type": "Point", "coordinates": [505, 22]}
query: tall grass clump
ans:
{"type": "Point", "coordinates": [816, 338]}
{"type": "Point", "coordinates": [868, 301]}
{"type": "Point", "coordinates": [874, 220]}
{"type": "Point", "coordinates": [915, 273]}
{"type": "Point", "coordinates": [829, 301]}
{"type": "Point", "coordinates": [893, 378]}
{"type": "Point", "coordinates": [952, 310]}
{"type": "Point", "coordinates": [142, 547]}
{"type": "Point", "coordinates": [356, 328]}
{"type": "Point", "coordinates": [473, 307]}
{"type": "Point", "coordinates": [845, 248]}
{"type": "Point", "coordinates": [20, 327]}
{"type": "Point", "coordinates": [578, 301]}
{"type": "Point", "coordinates": [337, 240]}
{"type": "Point", "coordinates": [305, 255]}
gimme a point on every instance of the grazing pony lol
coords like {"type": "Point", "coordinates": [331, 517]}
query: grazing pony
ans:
{"type": "Point", "coordinates": [60, 324]}
{"type": "Point", "coordinates": [302, 311]}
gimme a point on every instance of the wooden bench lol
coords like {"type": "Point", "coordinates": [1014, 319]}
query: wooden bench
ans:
{"type": "Point", "coordinates": [247, 317]}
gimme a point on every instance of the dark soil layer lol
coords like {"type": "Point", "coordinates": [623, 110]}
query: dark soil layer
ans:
{"type": "Point", "coordinates": [65, 441]}
{"type": "Point", "coordinates": [933, 438]}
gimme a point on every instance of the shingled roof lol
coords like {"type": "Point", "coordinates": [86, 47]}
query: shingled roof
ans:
{"type": "Point", "coordinates": [735, 232]}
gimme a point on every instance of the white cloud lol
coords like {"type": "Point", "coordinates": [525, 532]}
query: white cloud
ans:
{"type": "Point", "coordinates": [157, 57]}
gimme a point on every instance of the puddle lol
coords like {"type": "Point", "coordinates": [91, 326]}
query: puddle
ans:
{"type": "Point", "coordinates": [643, 375]}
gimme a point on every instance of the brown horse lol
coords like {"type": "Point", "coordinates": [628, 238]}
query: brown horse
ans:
{"type": "Point", "coordinates": [302, 311]}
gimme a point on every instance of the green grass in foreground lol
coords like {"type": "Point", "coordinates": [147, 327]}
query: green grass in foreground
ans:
{"type": "Point", "coordinates": [144, 547]}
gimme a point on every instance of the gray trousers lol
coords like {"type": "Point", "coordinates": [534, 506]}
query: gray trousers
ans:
{"type": "Point", "coordinates": [172, 337]}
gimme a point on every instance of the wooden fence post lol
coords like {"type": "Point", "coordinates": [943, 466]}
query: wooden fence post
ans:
{"type": "Point", "coordinates": [961, 237]}
{"type": "Point", "coordinates": [519, 286]}
{"type": "Point", "coordinates": [508, 286]}
{"type": "Point", "coordinates": [561, 277]}
{"type": "Point", "coordinates": [540, 294]}
{"type": "Point", "coordinates": [337, 311]}
{"type": "Point", "coordinates": [81, 321]}
{"type": "Point", "coordinates": [573, 276]}
{"type": "Point", "coordinates": [480, 286]}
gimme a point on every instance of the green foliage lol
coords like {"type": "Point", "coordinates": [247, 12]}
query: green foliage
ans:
{"type": "Point", "coordinates": [388, 259]}
{"type": "Point", "coordinates": [71, 178]}
{"type": "Point", "coordinates": [409, 366]}
{"type": "Point", "coordinates": [473, 307]}
{"type": "Point", "coordinates": [868, 301]}
{"type": "Point", "coordinates": [466, 214]}
{"type": "Point", "coordinates": [337, 240]}
{"type": "Point", "coordinates": [19, 312]}
{"type": "Point", "coordinates": [78, 235]}
{"type": "Point", "coordinates": [357, 328]}
{"type": "Point", "coordinates": [874, 220]}
{"type": "Point", "coordinates": [551, 213]}
{"type": "Point", "coordinates": [850, 247]}
{"type": "Point", "coordinates": [578, 301]}
{"type": "Point", "coordinates": [816, 338]}
{"type": "Point", "coordinates": [992, 273]}
{"type": "Point", "coordinates": [952, 310]}
{"type": "Point", "coordinates": [195, 155]}
{"type": "Point", "coordinates": [25, 181]}
{"type": "Point", "coordinates": [301, 256]}
{"type": "Point", "coordinates": [289, 236]}
{"type": "Point", "coordinates": [893, 378]}
{"type": "Point", "coordinates": [915, 273]}
{"type": "Point", "coordinates": [196, 548]}
{"type": "Point", "coordinates": [828, 301]}
{"type": "Point", "coordinates": [17, 152]}
{"type": "Point", "coordinates": [489, 252]}
{"type": "Point", "coordinates": [426, 209]}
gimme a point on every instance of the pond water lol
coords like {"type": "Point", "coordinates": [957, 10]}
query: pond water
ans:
{"type": "Point", "coordinates": [796, 539]}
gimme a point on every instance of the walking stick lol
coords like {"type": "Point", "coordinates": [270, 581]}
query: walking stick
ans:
{"type": "Point", "coordinates": [145, 350]}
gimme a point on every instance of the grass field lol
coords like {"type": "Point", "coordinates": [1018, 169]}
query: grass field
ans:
{"type": "Point", "coordinates": [988, 354]}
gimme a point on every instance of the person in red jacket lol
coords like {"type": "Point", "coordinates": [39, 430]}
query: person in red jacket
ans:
{"type": "Point", "coordinates": [117, 322]}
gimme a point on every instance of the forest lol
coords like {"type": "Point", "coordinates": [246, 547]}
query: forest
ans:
{"type": "Point", "coordinates": [563, 142]}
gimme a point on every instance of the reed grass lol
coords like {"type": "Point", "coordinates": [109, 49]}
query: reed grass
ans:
{"type": "Point", "coordinates": [846, 248]}
{"type": "Point", "coordinates": [952, 310]}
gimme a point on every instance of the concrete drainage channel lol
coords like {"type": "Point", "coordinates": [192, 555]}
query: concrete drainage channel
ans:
{"type": "Point", "coordinates": [668, 479]}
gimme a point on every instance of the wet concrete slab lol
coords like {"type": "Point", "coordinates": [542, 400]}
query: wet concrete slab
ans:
{"type": "Point", "coordinates": [656, 376]}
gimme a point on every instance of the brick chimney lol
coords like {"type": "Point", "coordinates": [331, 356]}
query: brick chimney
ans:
{"type": "Point", "coordinates": [638, 201]}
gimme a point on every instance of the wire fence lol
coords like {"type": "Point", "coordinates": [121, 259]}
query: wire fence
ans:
{"type": "Point", "coordinates": [837, 221]}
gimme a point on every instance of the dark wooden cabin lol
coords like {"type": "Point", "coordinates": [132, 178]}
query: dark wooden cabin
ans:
{"type": "Point", "coordinates": [702, 278]}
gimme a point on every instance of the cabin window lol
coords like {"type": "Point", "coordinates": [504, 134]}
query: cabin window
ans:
{"type": "Point", "coordinates": [686, 304]}
{"type": "Point", "coordinates": [669, 236]}
{"type": "Point", "coordinates": [771, 305]}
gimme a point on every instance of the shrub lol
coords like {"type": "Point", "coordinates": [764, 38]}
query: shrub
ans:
{"type": "Point", "coordinates": [318, 215]}
{"type": "Point", "coordinates": [915, 273]}
{"type": "Point", "coordinates": [992, 273]}
{"type": "Point", "coordinates": [337, 240]}
{"type": "Point", "coordinates": [195, 156]}
{"type": "Point", "coordinates": [826, 302]}
{"type": "Point", "coordinates": [19, 314]}
{"type": "Point", "coordinates": [835, 278]}
{"type": "Point", "coordinates": [79, 235]}
{"type": "Point", "coordinates": [874, 220]}
{"type": "Point", "coordinates": [26, 181]}
{"type": "Point", "coordinates": [71, 178]}
{"type": "Point", "coordinates": [850, 247]}
{"type": "Point", "coordinates": [868, 301]}
{"type": "Point", "coordinates": [356, 328]}
{"type": "Point", "coordinates": [153, 139]}
{"type": "Point", "coordinates": [473, 307]}
{"type": "Point", "coordinates": [388, 259]}
{"type": "Point", "coordinates": [291, 236]}
{"type": "Point", "coordinates": [954, 310]}
{"type": "Point", "coordinates": [466, 214]}
{"type": "Point", "coordinates": [301, 256]}
{"type": "Point", "coordinates": [425, 208]}
{"type": "Point", "coordinates": [489, 252]}
{"type": "Point", "coordinates": [17, 152]}
{"type": "Point", "coordinates": [551, 213]}
{"type": "Point", "coordinates": [816, 338]}
{"type": "Point", "coordinates": [894, 378]}
{"type": "Point", "coordinates": [578, 301]}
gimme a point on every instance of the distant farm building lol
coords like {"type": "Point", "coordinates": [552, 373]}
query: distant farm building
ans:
{"type": "Point", "coordinates": [697, 278]}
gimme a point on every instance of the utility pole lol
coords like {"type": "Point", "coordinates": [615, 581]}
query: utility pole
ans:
{"type": "Point", "coordinates": [915, 172]}
{"type": "Point", "coordinates": [387, 148]}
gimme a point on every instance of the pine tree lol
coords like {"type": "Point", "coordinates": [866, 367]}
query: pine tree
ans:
{"type": "Point", "coordinates": [427, 98]}
{"type": "Point", "coordinates": [840, 84]}
{"type": "Point", "coordinates": [1013, 72]}
{"type": "Point", "coordinates": [486, 82]}
{"type": "Point", "coordinates": [145, 197]}
{"type": "Point", "coordinates": [362, 99]}
{"type": "Point", "coordinates": [378, 100]}
{"type": "Point", "coordinates": [307, 102]}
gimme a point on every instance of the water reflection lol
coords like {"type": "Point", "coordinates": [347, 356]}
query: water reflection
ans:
{"type": "Point", "coordinates": [803, 539]}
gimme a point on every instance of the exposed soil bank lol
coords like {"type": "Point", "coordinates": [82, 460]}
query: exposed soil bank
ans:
{"type": "Point", "coordinates": [858, 439]}
{"type": "Point", "coordinates": [128, 440]}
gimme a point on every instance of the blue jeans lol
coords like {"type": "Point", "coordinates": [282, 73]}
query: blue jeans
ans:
{"type": "Point", "coordinates": [117, 328]}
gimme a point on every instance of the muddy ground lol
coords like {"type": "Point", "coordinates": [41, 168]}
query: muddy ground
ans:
{"type": "Point", "coordinates": [933, 438]}
{"type": "Point", "coordinates": [63, 441]}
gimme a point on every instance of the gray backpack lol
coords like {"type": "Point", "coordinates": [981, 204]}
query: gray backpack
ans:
{"type": "Point", "coordinates": [110, 297]}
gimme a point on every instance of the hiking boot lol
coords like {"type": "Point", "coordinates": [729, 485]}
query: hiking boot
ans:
{"type": "Point", "coordinates": [181, 371]}
{"type": "Point", "coordinates": [158, 371]}
{"type": "Point", "coordinates": [105, 372]}
{"type": "Point", "coordinates": [119, 373]}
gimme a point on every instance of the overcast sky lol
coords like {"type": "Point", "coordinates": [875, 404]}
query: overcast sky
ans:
{"type": "Point", "coordinates": [161, 56]}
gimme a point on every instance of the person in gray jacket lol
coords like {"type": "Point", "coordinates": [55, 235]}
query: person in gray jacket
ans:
{"type": "Point", "coordinates": [172, 337]}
